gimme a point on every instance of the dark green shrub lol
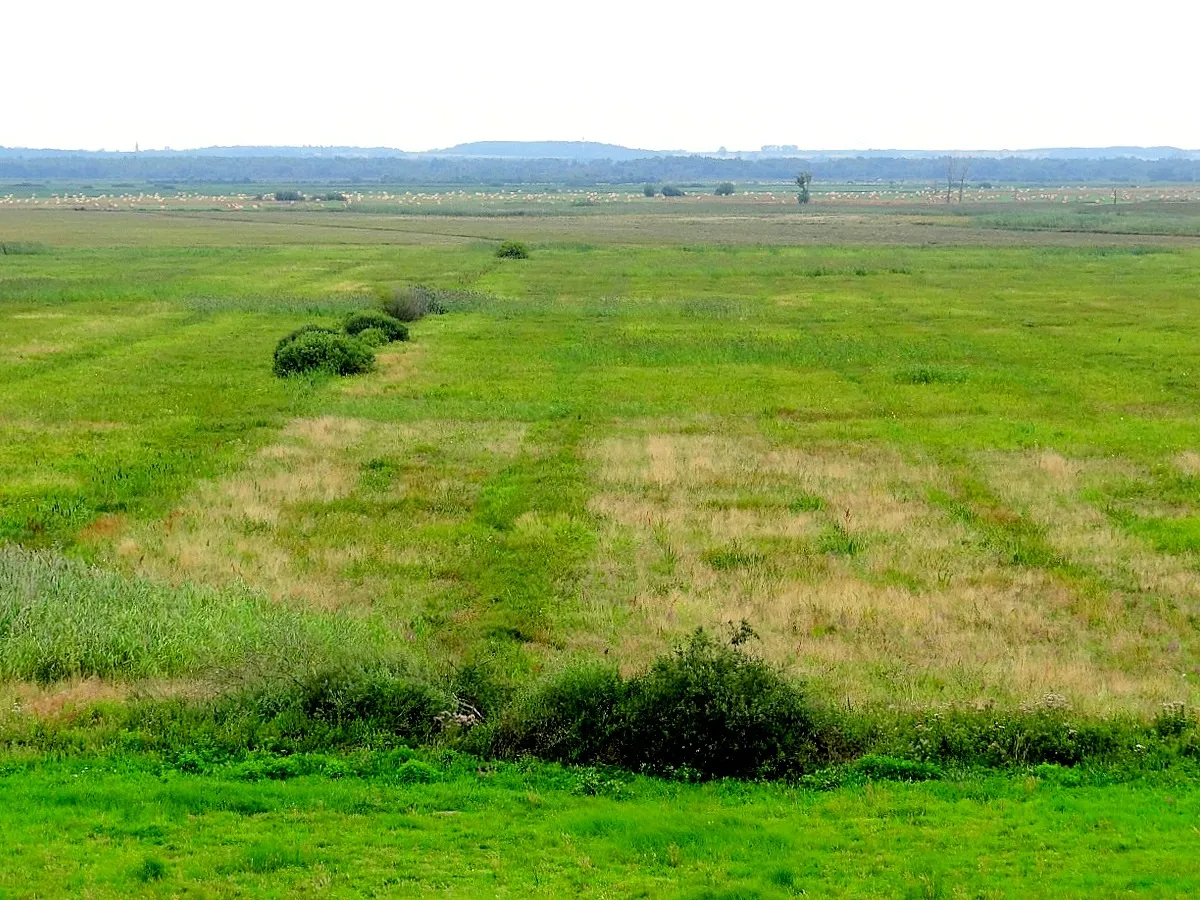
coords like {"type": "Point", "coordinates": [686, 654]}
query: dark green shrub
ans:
{"type": "Point", "coordinates": [890, 768]}
{"type": "Point", "coordinates": [288, 196]}
{"type": "Point", "coordinates": [725, 189]}
{"type": "Point", "coordinates": [573, 717]}
{"type": "Point", "coordinates": [373, 337]}
{"type": "Point", "coordinates": [315, 351]}
{"type": "Point", "coordinates": [372, 318]}
{"type": "Point", "coordinates": [335, 196]}
{"type": "Point", "coordinates": [716, 710]}
{"type": "Point", "coordinates": [671, 191]}
{"type": "Point", "coordinates": [649, 190]}
{"type": "Point", "coordinates": [387, 699]}
{"type": "Point", "coordinates": [416, 772]}
{"type": "Point", "coordinates": [302, 330]}
{"type": "Point", "coordinates": [708, 709]}
{"type": "Point", "coordinates": [512, 250]}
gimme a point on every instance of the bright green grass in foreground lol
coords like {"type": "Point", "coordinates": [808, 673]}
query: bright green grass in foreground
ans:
{"type": "Point", "coordinates": [124, 826]}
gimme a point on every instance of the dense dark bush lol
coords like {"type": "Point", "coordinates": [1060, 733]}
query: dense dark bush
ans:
{"type": "Point", "coordinates": [291, 196]}
{"type": "Point", "coordinates": [512, 250]}
{"type": "Point", "coordinates": [725, 189]}
{"type": "Point", "coordinates": [671, 191]}
{"type": "Point", "coordinates": [321, 350]}
{"type": "Point", "coordinates": [649, 190]}
{"type": "Point", "coordinates": [708, 708]}
{"type": "Point", "coordinates": [335, 196]}
{"type": "Point", "coordinates": [715, 709]}
{"type": "Point", "coordinates": [372, 318]}
{"type": "Point", "coordinates": [573, 717]}
{"type": "Point", "coordinates": [385, 700]}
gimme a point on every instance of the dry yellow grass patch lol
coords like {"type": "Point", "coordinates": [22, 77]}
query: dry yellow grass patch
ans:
{"type": "Point", "coordinates": [699, 531]}
{"type": "Point", "coordinates": [299, 523]}
{"type": "Point", "coordinates": [1085, 535]}
{"type": "Point", "coordinates": [395, 365]}
{"type": "Point", "coordinates": [1188, 462]}
{"type": "Point", "coordinates": [63, 700]}
{"type": "Point", "coordinates": [33, 351]}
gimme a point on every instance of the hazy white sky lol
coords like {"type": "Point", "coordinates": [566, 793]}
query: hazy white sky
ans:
{"type": "Point", "coordinates": [944, 74]}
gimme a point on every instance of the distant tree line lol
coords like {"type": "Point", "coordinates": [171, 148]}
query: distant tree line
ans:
{"type": "Point", "coordinates": [650, 171]}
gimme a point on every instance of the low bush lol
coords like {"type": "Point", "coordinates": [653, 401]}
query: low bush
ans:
{"type": "Point", "coordinates": [671, 191]}
{"type": "Point", "coordinates": [725, 189]}
{"type": "Point", "coordinates": [302, 330]}
{"type": "Point", "coordinates": [393, 328]}
{"type": "Point", "coordinates": [317, 351]}
{"type": "Point", "coordinates": [412, 302]}
{"type": "Point", "coordinates": [649, 190]}
{"type": "Point", "coordinates": [714, 709]}
{"type": "Point", "coordinates": [512, 250]}
{"type": "Point", "coordinates": [288, 196]}
{"type": "Point", "coordinates": [373, 337]}
{"type": "Point", "coordinates": [708, 709]}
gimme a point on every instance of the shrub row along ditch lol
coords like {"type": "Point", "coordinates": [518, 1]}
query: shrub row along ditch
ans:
{"type": "Point", "coordinates": [708, 709]}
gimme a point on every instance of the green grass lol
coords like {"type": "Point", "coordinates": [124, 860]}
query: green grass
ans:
{"type": "Point", "coordinates": [129, 826]}
{"type": "Point", "coordinates": [135, 374]}
{"type": "Point", "coordinates": [951, 487]}
{"type": "Point", "coordinates": [60, 619]}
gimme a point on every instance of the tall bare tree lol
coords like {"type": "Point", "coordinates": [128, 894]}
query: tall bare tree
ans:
{"type": "Point", "coordinates": [956, 176]}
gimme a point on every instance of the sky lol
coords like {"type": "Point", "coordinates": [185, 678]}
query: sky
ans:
{"type": "Point", "coordinates": [870, 74]}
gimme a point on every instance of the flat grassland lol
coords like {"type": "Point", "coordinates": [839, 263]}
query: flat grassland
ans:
{"type": "Point", "coordinates": [932, 459]}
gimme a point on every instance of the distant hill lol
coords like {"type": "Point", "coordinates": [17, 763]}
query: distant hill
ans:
{"type": "Point", "coordinates": [592, 151]}
{"type": "Point", "coordinates": [579, 150]}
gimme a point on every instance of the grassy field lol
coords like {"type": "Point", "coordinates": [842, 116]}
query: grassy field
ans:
{"type": "Point", "coordinates": [936, 461]}
{"type": "Point", "coordinates": [384, 825]}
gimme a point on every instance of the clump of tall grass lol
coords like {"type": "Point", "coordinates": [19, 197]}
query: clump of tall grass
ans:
{"type": "Point", "coordinates": [411, 302]}
{"type": "Point", "coordinates": [60, 618]}
{"type": "Point", "coordinates": [22, 248]}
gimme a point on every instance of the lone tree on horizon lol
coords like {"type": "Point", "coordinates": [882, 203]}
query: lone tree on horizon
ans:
{"type": "Point", "coordinates": [956, 171]}
{"type": "Point", "coordinates": [803, 180]}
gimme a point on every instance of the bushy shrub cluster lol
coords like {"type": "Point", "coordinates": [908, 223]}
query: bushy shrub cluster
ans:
{"type": "Point", "coordinates": [708, 709]}
{"type": "Point", "coordinates": [671, 191]}
{"type": "Point", "coordinates": [725, 189]}
{"type": "Point", "coordinates": [393, 328]}
{"type": "Point", "coordinates": [373, 337]}
{"type": "Point", "coordinates": [318, 348]}
{"type": "Point", "coordinates": [512, 250]}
